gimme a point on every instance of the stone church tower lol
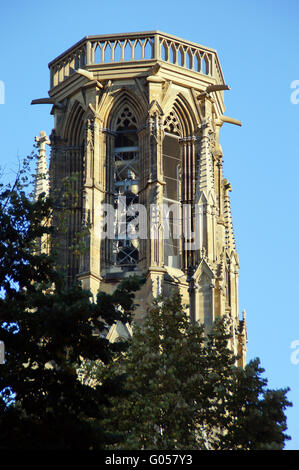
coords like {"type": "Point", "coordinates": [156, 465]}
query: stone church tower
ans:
{"type": "Point", "coordinates": [137, 119]}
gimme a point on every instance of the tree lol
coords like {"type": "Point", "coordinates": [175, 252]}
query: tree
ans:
{"type": "Point", "coordinates": [186, 392]}
{"type": "Point", "coordinates": [48, 330]}
{"type": "Point", "coordinates": [257, 414]}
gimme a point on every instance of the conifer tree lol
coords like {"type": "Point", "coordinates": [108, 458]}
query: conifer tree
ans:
{"type": "Point", "coordinates": [48, 330]}
{"type": "Point", "coordinates": [185, 391]}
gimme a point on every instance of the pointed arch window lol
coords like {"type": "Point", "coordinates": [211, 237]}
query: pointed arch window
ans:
{"type": "Point", "coordinates": [172, 177]}
{"type": "Point", "coordinates": [125, 189]}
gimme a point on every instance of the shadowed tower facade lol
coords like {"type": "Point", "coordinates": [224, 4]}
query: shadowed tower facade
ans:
{"type": "Point", "coordinates": [137, 119]}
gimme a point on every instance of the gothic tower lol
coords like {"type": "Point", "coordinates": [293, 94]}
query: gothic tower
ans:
{"type": "Point", "coordinates": [137, 120]}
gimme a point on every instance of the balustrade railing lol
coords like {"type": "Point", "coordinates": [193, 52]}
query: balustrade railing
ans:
{"type": "Point", "coordinates": [135, 47]}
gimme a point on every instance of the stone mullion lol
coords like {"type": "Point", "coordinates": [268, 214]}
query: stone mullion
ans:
{"type": "Point", "coordinates": [145, 197]}
{"type": "Point", "coordinates": [194, 169]}
{"type": "Point", "coordinates": [142, 195]}
{"type": "Point", "coordinates": [189, 188]}
{"type": "Point", "coordinates": [89, 153]}
{"type": "Point", "coordinates": [95, 197]}
{"type": "Point", "coordinates": [184, 200]}
{"type": "Point", "coordinates": [189, 200]}
{"type": "Point", "coordinates": [196, 150]}
{"type": "Point", "coordinates": [108, 194]}
{"type": "Point", "coordinates": [181, 239]}
{"type": "Point", "coordinates": [58, 172]}
{"type": "Point", "coordinates": [75, 158]}
{"type": "Point", "coordinates": [190, 178]}
{"type": "Point", "coordinates": [156, 188]}
{"type": "Point", "coordinates": [86, 189]}
{"type": "Point", "coordinates": [87, 184]}
{"type": "Point", "coordinates": [147, 191]}
{"type": "Point", "coordinates": [147, 194]}
{"type": "Point", "coordinates": [100, 150]}
{"type": "Point", "coordinates": [184, 176]}
{"type": "Point", "coordinates": [191, 149]}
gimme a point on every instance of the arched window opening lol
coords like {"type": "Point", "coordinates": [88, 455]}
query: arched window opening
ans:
{"type": "Point", "coordinates": [172, 177]}
{"type": "Point", "coordinates": [125, 188]}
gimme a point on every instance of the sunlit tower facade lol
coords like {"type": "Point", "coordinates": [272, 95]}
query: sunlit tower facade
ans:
{"type": "Point", "coordinates": [136, 122]}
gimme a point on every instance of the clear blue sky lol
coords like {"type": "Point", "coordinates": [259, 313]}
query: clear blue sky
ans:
{"type": "Point", "coordinates": [257, 42]}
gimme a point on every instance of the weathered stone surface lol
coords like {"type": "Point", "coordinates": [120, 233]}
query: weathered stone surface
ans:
{"type": "Point", "coordinates": [140, 114]}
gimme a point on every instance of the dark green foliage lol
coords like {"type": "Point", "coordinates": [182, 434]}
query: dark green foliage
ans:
{"type": "Point", "coordinates": [257, 414]}
{"type": "Point", "coordinates": [186, 392]}
{"type": "Point", "coordinates": [174, 388]}
{"type": "Point", "coordinates": [48, 330]}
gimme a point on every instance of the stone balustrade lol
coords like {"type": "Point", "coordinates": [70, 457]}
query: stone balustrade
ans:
{"type": "Point", "coordinates": [135, 47]}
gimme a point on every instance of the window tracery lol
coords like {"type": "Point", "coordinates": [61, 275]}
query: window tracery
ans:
{"type": "Point", "coordinates": [172, 124]}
